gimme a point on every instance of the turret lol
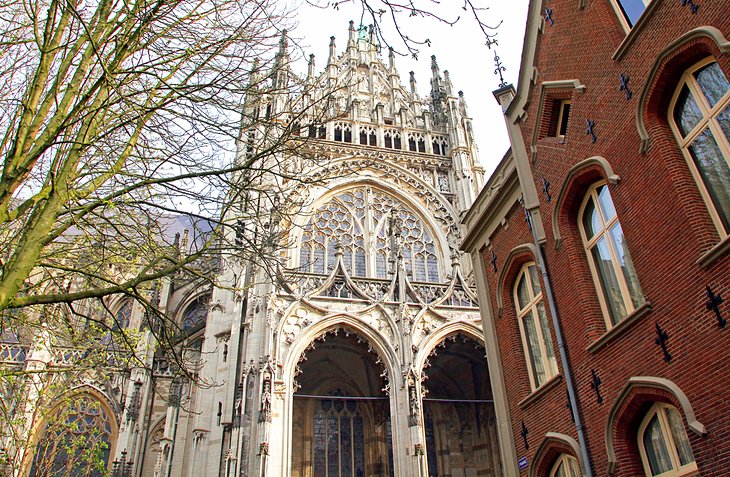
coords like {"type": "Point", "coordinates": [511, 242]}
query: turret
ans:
{"type": "Point", "coordinates": [281, 63]}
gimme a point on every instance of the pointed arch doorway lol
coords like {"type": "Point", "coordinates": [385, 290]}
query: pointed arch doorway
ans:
{"type": "Point", "coordinates": [341, 414]}
{"type": "Point", "coordinates": [458, 410]}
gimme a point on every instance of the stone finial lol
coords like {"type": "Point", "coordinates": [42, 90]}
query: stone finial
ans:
{"type": "Point", "coordinates": [333, 52]}
{"type": "Point", "coordinates": [310, 67]}
{"type": "Point", "coordinates": [412, 82]}
{"type": "Point", "coordinates": [351, 36]}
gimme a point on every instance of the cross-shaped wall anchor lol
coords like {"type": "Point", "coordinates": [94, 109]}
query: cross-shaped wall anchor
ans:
{"type": "Point", "coordinates": [662, 340]}
{"type": "Point", "coordinates": [624, 85]}
{"type": "Point", "coordinates": [493, 259]}
{"type": "Point", "coordinates": [693, 7]}
{"type": "Point", "coordinates": [595, 384]}
{"type": "Point", "coordinates": [569, 406]}
{"type": "Point", "coordinates": [714, 305]}
{"type": "Point", "coordinates": [589, 130]}
{"type": "Point", "coordinates": [546, 188]}
{"type": "Point", "coordinates": [549, 16]}
{"type": "Point", "coordinates": [524, 433]}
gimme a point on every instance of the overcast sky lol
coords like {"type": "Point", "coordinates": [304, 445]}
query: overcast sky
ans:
{"type": "Point", "coordinates": [460, 49]}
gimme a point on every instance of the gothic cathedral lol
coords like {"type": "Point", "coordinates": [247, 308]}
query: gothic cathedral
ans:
{"type": "Point", "coordinates": [365, 356]}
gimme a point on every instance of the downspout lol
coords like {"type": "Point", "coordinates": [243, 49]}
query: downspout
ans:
{"type": "Point", "coordinates": [505, 96]}
{"type": "Point", "coordinates": [572, 395]}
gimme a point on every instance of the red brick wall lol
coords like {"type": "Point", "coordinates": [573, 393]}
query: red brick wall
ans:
{"type": "Point", "coordinates": [665, 222]}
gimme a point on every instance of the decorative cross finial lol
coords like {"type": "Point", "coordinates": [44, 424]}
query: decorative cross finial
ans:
{"type": "Point", "coordinates": [499, 69]}
{"type": "Point", "coordinates": [568, 405]}
{"type": "Point", "coordinates": [524, 433]}
{"type": "Point", "coordinates": [624, 85]}
{"type": "Point", "coordinates": [549, 16]}
{"type": "Point", "coordinates": [546, 189]}
{"type": "Point", "coordinates": [714, 305]}
{"type": "Point", "coordinates": [693, 7]}
{"type": "Point", "coordinates": [662, 339]}
{"type": "Point", "coordinates": [595, 384]}
{"type": "Point", "coordinates": [589, 130]}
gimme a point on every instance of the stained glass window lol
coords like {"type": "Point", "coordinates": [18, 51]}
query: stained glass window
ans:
{"type": "Point", "coordinates": [339, 441]}
{"type": "Point", "coordinates": [195, 315]}
{"type": "Point", "coordinates": [359, 220]}
{"type": "Point", "coordinates": [75, 441]}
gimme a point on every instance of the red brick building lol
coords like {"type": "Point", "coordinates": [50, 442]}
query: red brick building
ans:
{"type": "Point", "coordinates": [615, 360]}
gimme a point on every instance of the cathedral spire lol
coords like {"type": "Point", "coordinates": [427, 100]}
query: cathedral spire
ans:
{"type": "Point", "coordinates": [351, 37]}
{"type": "Point", "coordinates": [281, 62]}
{"type": "Point", "coordinates": [310, 68]}
{"type": "Point", "coordinates": [333, 52]}
{"type": "Point", "coordinates": [462, 105]}
{"type": "Point", "coordinates": [447, 83]}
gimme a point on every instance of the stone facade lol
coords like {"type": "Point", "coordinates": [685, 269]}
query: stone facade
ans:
{"type": "Point", "coordinates": [320, 368]}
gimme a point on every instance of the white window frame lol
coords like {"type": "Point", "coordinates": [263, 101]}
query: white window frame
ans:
{"type": "Point", "coordinates": [570, 463]}
{"type": "Point", "coordinates": [709, 121]}
{"type": "Point", "coordinates": [561, 113]}
{"type": "Point", "coordinates": [618, 8]}
{"type": "Point", "coordinates": [589, 243]}
{"type": "Point", "coordinates": [549, 365]}
{"type": "Point", "coordinates": [678, 470]}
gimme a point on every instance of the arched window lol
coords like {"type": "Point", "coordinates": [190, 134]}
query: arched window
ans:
{"type": "Point", "coordinates": [536, 340]}
{"type": "Point", "coordinates": [123, 315]}
{"type": "Point", "coordinates": [358, 220]}
{"type": "Point", "coordinates": [565, 466]}
{"type": "Point", "coordinates": [608, 254]}
{"type": "Point", "coordinates": [76, 439]}
{"type": "Point", "coordinates": [663, 443]}
{"type": "Point", "coordinates": [700, 118]}
{"type": "Point", "coordinates": [195, 315]}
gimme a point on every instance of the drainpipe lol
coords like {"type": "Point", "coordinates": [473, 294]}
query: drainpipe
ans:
{"type": "Point", "coordinates": [572, 395]}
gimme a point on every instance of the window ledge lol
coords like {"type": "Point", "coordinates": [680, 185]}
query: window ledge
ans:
{"type": "Point", "coordinates": [715, 253]}
{"type": "Point", "coordinates": [541, 391]}
{"type": "Point", "coordinates": [619, 329]}
{"type": "Point", "coordinates": [551, 141]}
{"type": "Point", "coordinates": [635, 30]}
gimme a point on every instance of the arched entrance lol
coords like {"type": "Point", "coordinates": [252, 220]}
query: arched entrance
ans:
{"type": "Point", "coordinates": [341, 413]}
{"type": "Point", "coordinates": [458, 410]}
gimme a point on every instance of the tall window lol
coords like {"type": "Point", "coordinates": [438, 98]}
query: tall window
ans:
{"type": "Point", "coordinates": [359, 220]}
{"type": "Point", "coordinates": [565, 466]}
{"type": "Point", "coordinates": [123, 315]}
{"type": "Point", "coordinates": [536, 340]}
{"type": "Point", "coordinates": [663, 444]}
{"type": "Point", "coordinates": [195, 315]}
{"type": "Point", "coordinates": [700, 118]}
{"type": "Point", "coordinates": [608, 254]}
{"type": "Point", "coordinates": [339, 440]}
{"type": "Point", "coordinates": [76, 440]}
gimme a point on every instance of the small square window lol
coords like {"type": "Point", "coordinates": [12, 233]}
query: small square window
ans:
{"type": "Point", "coordinates": [555, 115]}
{"type": "Point", "coordinates": [563, 115]}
